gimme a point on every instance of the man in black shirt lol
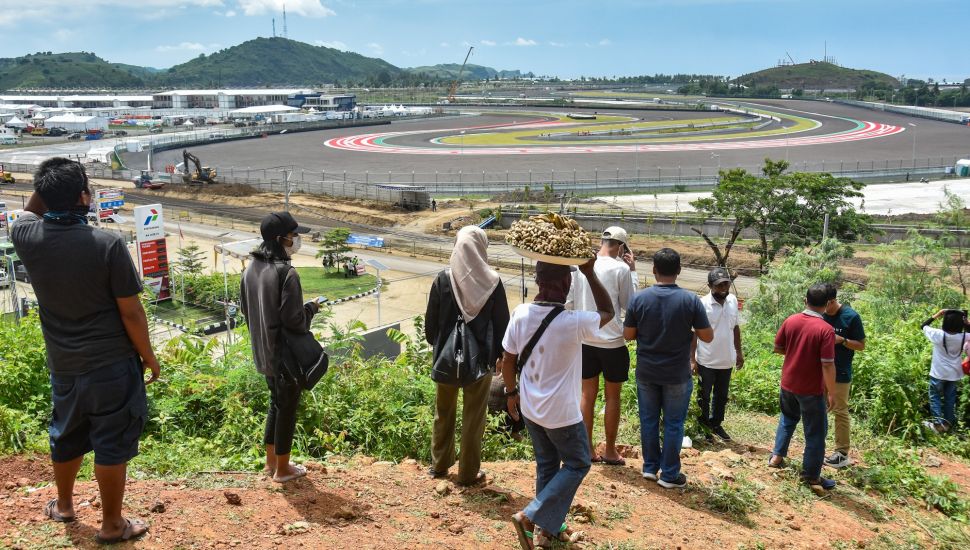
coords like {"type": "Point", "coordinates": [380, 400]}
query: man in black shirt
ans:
{"type": "Point", "coordinates": [96, 334]}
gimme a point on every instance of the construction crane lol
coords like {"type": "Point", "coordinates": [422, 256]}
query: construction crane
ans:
{"type": "Point", "coordinates": [790, 58]}
{"type": "Point", "coordinates": [454, 85]}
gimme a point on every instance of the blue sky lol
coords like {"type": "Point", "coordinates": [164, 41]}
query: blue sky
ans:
{"type": "Point", "coordinates": [568, 38]}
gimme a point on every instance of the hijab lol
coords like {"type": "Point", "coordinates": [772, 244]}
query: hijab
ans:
{"type": "Point", "coordinates": [472, 280]}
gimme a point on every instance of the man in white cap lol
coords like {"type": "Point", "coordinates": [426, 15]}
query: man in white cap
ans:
{"type": "Point", "coordinates": [606, 353]}
{"type": "Point", "coordinates": [714, 361]}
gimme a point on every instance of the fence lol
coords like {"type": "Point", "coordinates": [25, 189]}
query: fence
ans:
{"type": "Point", "coordinates": [911, 110]}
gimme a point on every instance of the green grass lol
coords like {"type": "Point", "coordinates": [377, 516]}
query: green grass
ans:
{"type": "Point", "coordinates": [332, 284]}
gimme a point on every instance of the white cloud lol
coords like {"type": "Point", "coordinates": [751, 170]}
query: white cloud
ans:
{"type": "Point", "coordinates": [445, 45]}
{"type": "Point", "coordinates": [489, 43]}
{"type": "Point", "coordinates": [557, 44]}
{"type": "Point", "coordinates": [524, 42]}
{"type": "Point", "coordinates": [604, 42]}
{"type": "Point", "coordinates": [231, 13]}
{"type": "Point", "coordinates": [376, 48]}
{"type": "Point", "coordinates": [306, 8]}
{"type": "Point", "coordinates": [188, 46]}
{"type": "Point", "coordinates": [335, 44]}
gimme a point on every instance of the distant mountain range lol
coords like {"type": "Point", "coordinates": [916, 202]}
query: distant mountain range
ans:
{"type": "Point", "coordinates": [258, 62]}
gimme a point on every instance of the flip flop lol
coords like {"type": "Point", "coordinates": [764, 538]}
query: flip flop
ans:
{"type": "Point", "coordinates": [609, 462]}
{"type": "Point", "coordinates": [127, 534]}
{"type": "Point", "coordinates": [524, 539]}
{"type": "Point", "coordinates": [595, 459]}
{"type": "Point", "coordinates": [780, 465]}
{"type": "Point", "coordinates": [50, 510]}
{"type": "Point", "coordinates": [562, 529]}
{"type": "Point", "coordinates": [300, 472]}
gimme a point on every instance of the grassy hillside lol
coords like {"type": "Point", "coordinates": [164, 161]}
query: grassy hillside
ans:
{"type": "Point", "coordinates": [472, 72]}
{"type": "Point", "coordinates": [277, 61]}
{"type": "Point", "coordinates": [67, 70]}
{"type": "Point", "coordinates": [815, 76]}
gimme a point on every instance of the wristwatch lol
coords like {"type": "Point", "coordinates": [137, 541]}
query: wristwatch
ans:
{"type": "Point", "coordinates": [512, 393]}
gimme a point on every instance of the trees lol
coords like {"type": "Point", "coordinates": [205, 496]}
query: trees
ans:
{"type": "Point", "coordinates": [190, 260]}
{"type": "Point", "coordinates": [953, 215]}
{"type": "Point", "coordinates": [333, 249]}
{"type": "Point", "coordinates": [783, 209]}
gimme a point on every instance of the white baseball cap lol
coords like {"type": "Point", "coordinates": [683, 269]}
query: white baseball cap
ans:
{"type": "Point", "coordinates": [616, 234]}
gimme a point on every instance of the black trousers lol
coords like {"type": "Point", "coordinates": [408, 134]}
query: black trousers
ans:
{"type": "Point", "coordinates": [284, 398]}
{"type": "Point", "coordinates": [716, 381]}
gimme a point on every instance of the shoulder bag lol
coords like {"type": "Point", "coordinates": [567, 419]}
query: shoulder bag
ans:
{"type": "Point", "coordinates": [527, 351]}
{"type": "Point", "coordinates": [462, 360]}
{"type": "Point", "coordinates": [301, 354]}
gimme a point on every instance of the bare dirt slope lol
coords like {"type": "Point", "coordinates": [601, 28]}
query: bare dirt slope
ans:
{"type": "Point", "coordinates": [359, 503]}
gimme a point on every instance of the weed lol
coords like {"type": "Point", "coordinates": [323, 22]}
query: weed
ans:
{"type": "Point", "coordinates": [733, 498]}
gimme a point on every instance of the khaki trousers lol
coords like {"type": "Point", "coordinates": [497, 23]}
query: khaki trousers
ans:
{"type": "Point", "coordinates": [473, 414]}
{"type": "Point", "coordinates": [842, 421]}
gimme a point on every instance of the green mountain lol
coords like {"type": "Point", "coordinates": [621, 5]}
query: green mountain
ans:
{"type": "Point", "coordinates": [449, 71]}
{"type": "Point", "coordinates": [67, 70]}
{"type": "Point", "coordinates": [277, 61]}
{"type": "Point", "coordinates": [815, 75]}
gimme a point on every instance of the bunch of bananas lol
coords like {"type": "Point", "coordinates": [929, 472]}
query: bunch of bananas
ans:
{"type": "Point", "coordinates": [552, 235]}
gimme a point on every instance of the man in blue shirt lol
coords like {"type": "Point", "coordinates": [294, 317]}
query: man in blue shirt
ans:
{"type": "Point", "coordinates": [850, 337]}
{"type": "Point", "coordinates": [664, 319]}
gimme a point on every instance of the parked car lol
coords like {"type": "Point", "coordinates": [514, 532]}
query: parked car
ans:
{"type": "Point", "coordinates": [155, 130]}
{"type": "Point", "coordinates": [56, 132]}
{"type": "Point", "coordinates": [121, 133]}
{"type": "Point", "coordinates": [75, 136]}
{"type": "Point", "coordinates": [7, 139]}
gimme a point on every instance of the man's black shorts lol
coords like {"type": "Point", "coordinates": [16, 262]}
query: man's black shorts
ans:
{"type": "Point", "coordinates": [102, 411]}
{"type": "Point", "coordinates": [614, 363]}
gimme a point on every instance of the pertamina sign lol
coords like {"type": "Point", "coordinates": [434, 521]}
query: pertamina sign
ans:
{"type": "Point", "coordinates": [149, 223]}
{"type": "Point", "coordinates": [152, 251]}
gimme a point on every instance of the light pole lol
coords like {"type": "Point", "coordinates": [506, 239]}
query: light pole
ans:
{"type": "Point", "coordinates": [462, 150]}
{"type": "Point", "coordinates": [225, 283]}
{"type": "Point", "coordinates": [914, 144]}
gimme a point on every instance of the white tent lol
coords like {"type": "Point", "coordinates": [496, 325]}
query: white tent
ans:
{"type": "Point", "coordinates": [74, 123]}
{"type": "Point", "coordinates": [15, 123]}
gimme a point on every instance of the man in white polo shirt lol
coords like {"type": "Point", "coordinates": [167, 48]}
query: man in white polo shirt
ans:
{"type": "Point", "coordinates": [605, 352]}
{"type": "Point", "coordinates": [714, 361]}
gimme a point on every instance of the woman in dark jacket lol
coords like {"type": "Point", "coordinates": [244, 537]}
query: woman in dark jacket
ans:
{"type": "Point", "coordinates": [473, 290]}
{"type": "Point", "coordinates": [271, 298]}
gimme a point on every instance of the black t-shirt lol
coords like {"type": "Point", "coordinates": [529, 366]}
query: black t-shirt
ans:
{"type": "Point", "coordinates": [665, 317]}
{"type": "Point", "coordinates": [77, 273]}
{"type": "Point", "coordinates": [848, 325]}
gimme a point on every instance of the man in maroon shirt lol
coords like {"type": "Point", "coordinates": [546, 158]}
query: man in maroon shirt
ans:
{"type": "Point", "coordinates": [807, 385]}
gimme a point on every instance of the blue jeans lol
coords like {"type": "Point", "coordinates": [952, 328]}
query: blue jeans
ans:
{"type": "Point", "coordinates": [562, 461]}
{"type": "Point", "coordinates": [672, 400]}
{"type": "Point", "coordinates": [811, 410]}
{"type": "Point", "coordinates": [943, 399]}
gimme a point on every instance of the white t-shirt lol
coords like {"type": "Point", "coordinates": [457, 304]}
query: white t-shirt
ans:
{"type": "Point", "coordinates": [720, 353]}
{"type": "Point", "coordinates": [947, 354]}
{"type": "Point", "coordinates": [620, 283]}
{"type": "Point", "coordinates": [551, 380]}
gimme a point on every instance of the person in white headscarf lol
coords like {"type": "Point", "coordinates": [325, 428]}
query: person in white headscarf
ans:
{"type": "Point", "coordinates": [471, 293]}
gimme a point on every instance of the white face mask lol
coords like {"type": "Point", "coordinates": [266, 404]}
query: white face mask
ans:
{"type": "Point", "coordinates": [294, 248]}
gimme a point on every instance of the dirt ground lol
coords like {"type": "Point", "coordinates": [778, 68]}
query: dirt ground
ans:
{"type": "Point", "coordinates": [357, 502]}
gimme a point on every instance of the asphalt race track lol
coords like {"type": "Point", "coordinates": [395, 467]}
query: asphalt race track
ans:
{"type": "Point", "coordinates": [881, 138]}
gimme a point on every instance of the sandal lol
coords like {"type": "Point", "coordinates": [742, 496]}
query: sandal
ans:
{"type": "Point", "coordinates": [776, 465]}
{"type": "Point", "coordinates": [50, 510]}
{"type": "Point", "coordinates": [519, 519]}
{"type": "Point", "coordinates": [299, 471]}
{"type": "Point", "coordinates": [133, 530]}
{"type": "Point", "coordinates": [479, 478]}
{"type": "Point", "coordinates": [610, 462]}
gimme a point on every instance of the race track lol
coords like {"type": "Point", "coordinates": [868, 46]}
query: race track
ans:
{"type": "Point", "coordinates": [844, 135]}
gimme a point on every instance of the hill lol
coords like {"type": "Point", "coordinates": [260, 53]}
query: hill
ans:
{"type": "Point", "coordinates": [68, 70]}
{"type": "Point", "coordinates": [277, 61]}
{"type": "Point", "coordinates": [449, 71]}
{"type": "Point", "coordinates": [815, 76]}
